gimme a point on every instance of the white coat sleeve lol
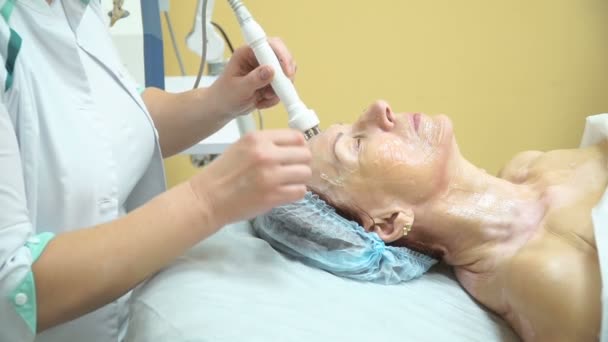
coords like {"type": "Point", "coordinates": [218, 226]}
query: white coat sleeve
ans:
{"type": "Point", "coordinates": [19, 245]}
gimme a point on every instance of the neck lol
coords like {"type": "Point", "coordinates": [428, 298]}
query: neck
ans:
{"type": "Point", "coordinates": [478, 217]}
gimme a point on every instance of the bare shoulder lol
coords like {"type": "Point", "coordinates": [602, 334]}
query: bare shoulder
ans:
{"type": "Point", "coordinates": [550, 275]}
{"type": "Point", "coordinates": [533, 164]}
{"type": "Point", "coordinates": [516, 170]}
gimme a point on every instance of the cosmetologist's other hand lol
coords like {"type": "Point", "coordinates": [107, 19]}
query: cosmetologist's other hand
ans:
{"type": "Point", "coordinates": [262, 170]}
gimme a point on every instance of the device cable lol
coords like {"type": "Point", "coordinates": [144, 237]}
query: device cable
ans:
{"type": "Point", "coordinates": [204, 53]}
{"type": "Point", "coordinates": [180, 61]}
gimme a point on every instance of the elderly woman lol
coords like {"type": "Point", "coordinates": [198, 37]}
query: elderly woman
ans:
{"type": "Point", "coordinates": [521, 243]}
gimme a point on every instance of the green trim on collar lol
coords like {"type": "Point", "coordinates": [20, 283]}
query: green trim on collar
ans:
{"type": "Point", "coordinates": [14, 45]}
{"type": "Point", "coordinates": [7, 9]}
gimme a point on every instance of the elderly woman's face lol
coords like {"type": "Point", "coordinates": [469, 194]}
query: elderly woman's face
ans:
{"type": "Point", "coordinates": [382, 156]}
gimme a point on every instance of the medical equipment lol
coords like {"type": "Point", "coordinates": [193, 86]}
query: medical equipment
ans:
{"type": "Point", "coordinates": [205, 41]}
{"type": "Point", "coordinates": [139, 41]}
{"type": "Point", "coordinates": [300, 117]}
{"type": "Point", "coordinates": [312, 232]}
{"type": "Point", "coordinates": [213, 50]}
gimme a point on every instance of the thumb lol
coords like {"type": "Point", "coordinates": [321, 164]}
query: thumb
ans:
{"type": "Point", "coordinates": [259, 77]}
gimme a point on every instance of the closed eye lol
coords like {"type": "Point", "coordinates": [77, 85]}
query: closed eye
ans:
{"type": "Point", "coordinates": [358, 148]}
{"type": "Point", "coordinates": [358, 142]}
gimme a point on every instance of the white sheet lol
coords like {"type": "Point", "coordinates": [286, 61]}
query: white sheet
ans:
{"type": "Point", "coordinates": [235, 287]}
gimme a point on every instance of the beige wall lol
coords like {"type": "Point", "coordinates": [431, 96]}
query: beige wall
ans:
{"type": "Point", "coordinates": [513, 75]}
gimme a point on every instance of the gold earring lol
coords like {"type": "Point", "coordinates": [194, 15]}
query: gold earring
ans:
{"type": "Point", "coordinates": [406, 229]}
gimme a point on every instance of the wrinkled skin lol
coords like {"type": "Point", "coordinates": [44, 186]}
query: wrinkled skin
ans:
{"type": "Point", "coordinates": [521, 243]}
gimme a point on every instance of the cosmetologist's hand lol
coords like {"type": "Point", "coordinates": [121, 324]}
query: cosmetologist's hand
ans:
{"type": "Point", "coordinates": [262, 170]}
{"type": "Point", "coordinates": [245, 85]}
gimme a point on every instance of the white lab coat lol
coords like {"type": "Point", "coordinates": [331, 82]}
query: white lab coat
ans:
{"type": "Point", "coordinates": [36, 192]}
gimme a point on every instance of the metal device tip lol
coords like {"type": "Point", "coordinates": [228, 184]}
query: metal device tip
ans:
{"type": "Point", "coordinates": [309, 133]}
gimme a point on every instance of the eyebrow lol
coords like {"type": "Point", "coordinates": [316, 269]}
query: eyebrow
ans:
{"type": "Point", "coordinates": [339, 135]}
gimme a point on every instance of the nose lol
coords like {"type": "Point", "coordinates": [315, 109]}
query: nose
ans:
{"type": "Point", "coordinates": [380, 115]}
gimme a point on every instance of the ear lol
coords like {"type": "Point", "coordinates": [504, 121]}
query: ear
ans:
{"type": "Point", "coordinates": [389, 225]}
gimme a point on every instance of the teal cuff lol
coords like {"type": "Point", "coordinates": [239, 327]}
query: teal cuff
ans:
{"type": "Point", "coordinates": [24, 296]}
{"type": "Point", "coordinates": [141, 89]}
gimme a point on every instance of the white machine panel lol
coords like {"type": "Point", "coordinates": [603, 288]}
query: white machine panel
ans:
{"type": "Point", "coordinates": [220, 140]}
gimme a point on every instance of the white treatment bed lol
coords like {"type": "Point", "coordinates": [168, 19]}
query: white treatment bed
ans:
{"type": "Point", "coordinates": [235, 287]}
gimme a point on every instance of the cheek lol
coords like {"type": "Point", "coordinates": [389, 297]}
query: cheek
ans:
{"type": "Point", "coordinates": [405, 157]}
{"type": "Point", "coordinates": [361, 196]}
{"type": "Point", "coordinates": [387, 154]}
{"type": "Point", "coordinates": [412, 167]}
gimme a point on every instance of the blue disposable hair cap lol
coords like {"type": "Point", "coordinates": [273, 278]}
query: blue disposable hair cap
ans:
{"type": "Point", "coordinates": [312, 232]}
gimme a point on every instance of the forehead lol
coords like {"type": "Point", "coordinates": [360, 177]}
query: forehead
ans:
{"type": "Point", "coordinates": [376, 154]}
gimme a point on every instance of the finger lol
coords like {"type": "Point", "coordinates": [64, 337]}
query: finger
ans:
{"type": "Point", "coordinates": [284, 137]}
{"type": "Point", "coordinates": [265, 94]}
{"type": "Point", "coordinates": [293, 174]}
{"type": "Point", "coordinates": [268, 93]}
{"type": "Point", "coordinates": [284, 56]}
{"type": "Point", "coordinates": [263, 104]}
{"type": "Point", "coordinates": [295, 70]}
{"type": "Point", "coordinates": [247, 58]}
{"type": "Point", "coordinates": [287, 155]}
{"type": "Point", "coordinates": [259, 77]}
{"type": "Point", "coordinates": [290, 193]}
